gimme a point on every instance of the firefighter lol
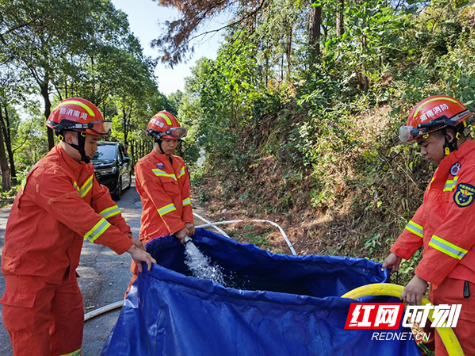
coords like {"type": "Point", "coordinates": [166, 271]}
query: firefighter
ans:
{"type": "Point", "coordinates": [59, 204]}
{"type": "Point", "coordinates": [444, 223]}
{"type": "Point", "coordinates": [163, 182]}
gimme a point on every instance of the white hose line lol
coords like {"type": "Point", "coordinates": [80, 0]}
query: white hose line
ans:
{"type": "Point", "coordinates": [270, 222]}
{"type": "Point", "coordinates": [283, 234]}
{"type": "Point", "coordinates": [103, 310]}
{"type": "Point", "coordinates": [211, 224]}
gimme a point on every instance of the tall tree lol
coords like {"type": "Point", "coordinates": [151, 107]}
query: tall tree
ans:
{"type": "Point", "coordinates": [340, 29]}
{"type": "Point", "coordinates": [175, 44]}
{"type": "Point", "coordinates": [35, 33]}
{"type": "Point", "coordinates": [6, 173]}
{"type": "Point", "coordinates": [42, 36]}
{"type": "Point", "coordinates": [10, 91]}
{"type": "Point", "coordinates": [314, 27]}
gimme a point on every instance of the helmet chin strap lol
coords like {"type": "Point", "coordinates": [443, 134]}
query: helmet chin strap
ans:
{"type": "Point", "coordinates": [159, 141]}
{"type": "Point", "coordinates": [80, 147]}
{"type": "Point", "coordinates": [450, 146]}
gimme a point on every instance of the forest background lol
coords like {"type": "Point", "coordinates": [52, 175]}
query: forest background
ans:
{"type": "Point", "coordinates": [295, 121]}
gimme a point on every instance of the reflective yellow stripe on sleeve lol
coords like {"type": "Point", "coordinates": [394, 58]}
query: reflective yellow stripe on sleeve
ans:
{"type": "Point", "coordinates": [97, 230]}
{"type": "Point", "coordinates": [415, 228]}
{"type": "Point", "coordinates": [447, 247]}
{"type": "Point", "coordinates": [450, 184]}
{"type": "Point", "coordinates": [428, 187]}
{"type": "Point", "coordinates": [74, 353]}
{"type": "Point", "coordinates": [23, 184]}
{"type": "Point", "coordinates": [182, 172]}
{"type": "Point", "coordinates": [186, 201]}
{"type": "Point", "coordinates": [160, 173]}
{"type": "Point", "coordinates": [166, 209]}
{"type": "Point", "coordinates": [86, 187]}
{"type": "Point", "coordinates": [107, 213]}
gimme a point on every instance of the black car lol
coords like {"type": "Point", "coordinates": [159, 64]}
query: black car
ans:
{"type": "Point", "coordinates": [112, 167]}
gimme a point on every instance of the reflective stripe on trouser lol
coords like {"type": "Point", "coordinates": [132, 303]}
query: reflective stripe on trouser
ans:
{"type": "Point", "coordinates": [415, 228]}
{"type": "Point", "coordinates": [447, 247]}
{"type": "Point", "coordinates": [47, 320]}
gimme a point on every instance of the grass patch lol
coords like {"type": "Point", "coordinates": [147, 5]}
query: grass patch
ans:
{"type": "Point", "coordinates": [6, 201]}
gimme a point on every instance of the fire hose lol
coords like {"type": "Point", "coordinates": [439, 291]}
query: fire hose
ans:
{"type": "Point", "coordinates": [119, 304]}
{"type": "Point", "coordinates": [447, 335]}
{"type": "Point", "coordinates": [289, 244]}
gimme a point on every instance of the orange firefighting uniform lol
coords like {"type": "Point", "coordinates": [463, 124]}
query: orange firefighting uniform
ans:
{"type": "Point", "coordinates": [58, 206]}
{"type": "Point", "coordinates": [445, 225]}
{"type": "Point", "coordinates": [164, 189]}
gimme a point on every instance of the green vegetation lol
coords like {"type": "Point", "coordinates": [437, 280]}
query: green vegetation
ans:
{"type": "Point", "coordinates": [51, 50]}
{"type": "Point", "coordinates": [296, 119]}
{"type": "Point", "coordinates": [308, 130]}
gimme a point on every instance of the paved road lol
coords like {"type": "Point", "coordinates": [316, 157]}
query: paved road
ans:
{"type": "Point", "coordinates": [104, 279]}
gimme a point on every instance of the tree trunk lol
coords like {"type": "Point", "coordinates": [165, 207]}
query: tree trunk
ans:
{"type": "Point", "coordinates": [289, 53]}
{"type": "Point", "coordinates": [8, 143]}
{"type": "Point", "coordinates": [267, 63]}
{"type": "Point", "coordinates": [93, 97]}
{"type": "Point", "coordinates": [6, 182]}
{"type": "Point", "coordinates": [364, 78]}
{"type": "Point", "coordinates": [45, 93]}
{"type": "Point", "coordinates": [125, 123]}
{"type": "Point", "coordinates": [131, 154]}
{"type": "Point", "coordinates": [281, 68]}
{"type": "Point", "coordinates": [340, 29]}
{"type": "Point", "coordinates": [315, 21]}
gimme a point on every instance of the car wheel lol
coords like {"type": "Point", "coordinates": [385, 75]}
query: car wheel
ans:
{"type": "Point", "coordinates": [118, 189]}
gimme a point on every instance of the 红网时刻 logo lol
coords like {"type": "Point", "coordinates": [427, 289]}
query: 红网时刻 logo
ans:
{"type": "Point", "coordinates": [389, 315]}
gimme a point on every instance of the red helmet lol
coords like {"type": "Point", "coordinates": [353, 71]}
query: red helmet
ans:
{"type": "Point", "coordinates": [77, 114]}
{"type": "Point", "coordinates": [432, 114]}
{"type": "Point", "coordinates": [165, 125]}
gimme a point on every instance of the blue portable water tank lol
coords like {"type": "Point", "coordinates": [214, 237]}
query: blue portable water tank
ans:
{"type": "Point", "coordinates": [273, 305]}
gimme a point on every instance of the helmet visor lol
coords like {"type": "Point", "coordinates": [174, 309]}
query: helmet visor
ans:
{"type": "Point", "coordinates": [408, 133]}
{"type": "Point", "coordinates": [176, 132]}
{"type": "Point", "coordinates": [100, 127]}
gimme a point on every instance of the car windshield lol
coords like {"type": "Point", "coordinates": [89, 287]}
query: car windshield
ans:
{"type": "Point", "coordinates": [105, 152]}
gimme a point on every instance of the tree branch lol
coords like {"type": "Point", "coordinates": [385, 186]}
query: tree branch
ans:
{"type": "Point", "coordinates": [256, 10]}
{"type": "Point", "coordinates": [176, 42]}
{"type": "Point", "coordinates": [14, 28]}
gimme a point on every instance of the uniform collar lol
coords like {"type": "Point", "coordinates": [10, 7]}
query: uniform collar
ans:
{"type": "Point", "coordinates": [456, 156]}
{"type": "Point", "coordinates": [162, 157]}
{"type": "Point", "coordinates": [73, 165]}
